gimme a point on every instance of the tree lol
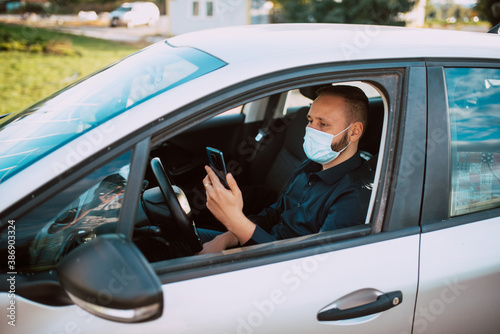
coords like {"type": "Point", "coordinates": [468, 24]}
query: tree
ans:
{"type": "Point", "coordinates": [490, 10]}
{"type": "Point", "coordinates": [385, 12]}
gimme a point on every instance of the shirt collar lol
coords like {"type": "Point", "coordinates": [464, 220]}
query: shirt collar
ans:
{"type": "Point", "coordinates": [333, 174]}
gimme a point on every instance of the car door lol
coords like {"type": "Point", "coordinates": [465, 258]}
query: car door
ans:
{"type": "Point", "coordinates": [460, 257]}
{"type": "Point", "coordinates": [322, 283]}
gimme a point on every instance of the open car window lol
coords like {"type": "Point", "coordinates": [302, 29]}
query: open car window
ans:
{"type": "Point", "coordinates": [262, 169]}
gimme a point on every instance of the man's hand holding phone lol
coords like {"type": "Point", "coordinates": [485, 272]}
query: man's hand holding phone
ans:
{"type": "Point", "coordinates": [224, 199]}
{"type": "Point", "coordinates": [218, 165]}
{"type": "Point", "coordinates": [225, 204]}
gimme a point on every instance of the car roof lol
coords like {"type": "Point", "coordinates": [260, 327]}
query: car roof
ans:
{"type": "Point", "coordinates": [337, 42]}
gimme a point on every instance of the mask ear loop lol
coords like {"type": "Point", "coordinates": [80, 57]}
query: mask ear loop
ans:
{"type": "Point", "coordinates": [349, 140]}
{"type": "Point", "coordinates": [343, 130]}
{"type": "Point", "coordinates": [342, 150]}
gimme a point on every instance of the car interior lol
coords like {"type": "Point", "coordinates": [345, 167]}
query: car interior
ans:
{"type": "Point", "coordinates": [262, 146]}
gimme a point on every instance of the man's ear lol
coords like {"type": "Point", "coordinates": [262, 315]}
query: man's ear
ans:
{"type": "Point", "coordinates": [356, 131]}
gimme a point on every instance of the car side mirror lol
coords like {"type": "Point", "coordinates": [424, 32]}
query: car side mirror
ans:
{"type": "Point", "coordinates": [495, 29]}
{"type": "Point", "coordinates": [110, 278]}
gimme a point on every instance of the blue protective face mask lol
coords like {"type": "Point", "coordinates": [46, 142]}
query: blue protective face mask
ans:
{"type": "Point", "coordinates": [318, 145]}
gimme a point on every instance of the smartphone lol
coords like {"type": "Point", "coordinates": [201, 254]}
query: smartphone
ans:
{"type": "Point", "coordinates": [216, 162]}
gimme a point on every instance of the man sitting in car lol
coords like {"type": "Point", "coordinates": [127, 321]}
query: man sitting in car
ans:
{"type": "Point", "coordinates": [330, 190]}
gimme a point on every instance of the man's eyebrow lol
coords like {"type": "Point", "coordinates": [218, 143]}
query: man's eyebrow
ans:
{"type": "Point", "coordinates": [317, 117]}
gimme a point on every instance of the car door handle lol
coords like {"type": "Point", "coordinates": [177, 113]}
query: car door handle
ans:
{"type": "Point", "coordinates": [384, 302]}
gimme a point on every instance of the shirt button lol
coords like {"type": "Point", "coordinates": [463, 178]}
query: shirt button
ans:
{"type": "Point", "coordinates": [298, 205]}
{"type": "Point", "coordinates": [310, 183]}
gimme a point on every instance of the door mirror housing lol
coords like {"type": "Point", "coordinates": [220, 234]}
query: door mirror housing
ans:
{"type": "Point", "coordinates": [110, 278]}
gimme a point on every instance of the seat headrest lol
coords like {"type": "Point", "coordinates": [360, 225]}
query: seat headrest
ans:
{"type": "Point", "coordinates": [310, 91]}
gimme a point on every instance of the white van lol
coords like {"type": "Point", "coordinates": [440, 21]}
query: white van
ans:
{"type": "Point", "coordinates": [132, 14]}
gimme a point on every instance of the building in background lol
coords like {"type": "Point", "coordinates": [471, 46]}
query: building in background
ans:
{"type": "Point", "coordinates": [416, 18]}
{"type": "Point", "coordinates": [191, 15]}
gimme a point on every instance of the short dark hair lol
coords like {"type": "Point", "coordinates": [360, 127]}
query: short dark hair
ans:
{"type": "Point", "coordinates": [356, 101]}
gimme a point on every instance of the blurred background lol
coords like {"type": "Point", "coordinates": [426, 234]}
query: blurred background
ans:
{"type": "Point", "coordinates": [47, 44]}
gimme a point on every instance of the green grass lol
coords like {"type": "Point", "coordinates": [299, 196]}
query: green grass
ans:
{"type": "Point", "coordinates": [30, 75]}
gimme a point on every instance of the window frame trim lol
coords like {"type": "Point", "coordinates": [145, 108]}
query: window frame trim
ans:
{"type": "Point", "coordinates": [322, 74]}
{"type": "Point", "coordinates": [182, 269]}
{"type": "Point", "coordinates": [133, 192]}
{"type": "Point", "coordinates": [435, 206]}
{"type": "Point", "coordinates": [408, 173]}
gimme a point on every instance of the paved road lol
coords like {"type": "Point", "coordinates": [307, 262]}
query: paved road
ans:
{"type": "Point", "coordinates": [143, 34]}
{"type": "Point", "coordinates": [140, 34]}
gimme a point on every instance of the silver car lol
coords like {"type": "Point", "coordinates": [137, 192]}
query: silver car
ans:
{"type": "Point", "coordinates": [100, 188]}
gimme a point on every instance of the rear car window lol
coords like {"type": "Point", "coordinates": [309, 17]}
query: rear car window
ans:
{"type": "Point", "coordinates": [474, 113]}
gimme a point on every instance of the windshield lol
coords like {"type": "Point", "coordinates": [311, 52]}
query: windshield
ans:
{"type": "Point", "coordinates": [35, 132]}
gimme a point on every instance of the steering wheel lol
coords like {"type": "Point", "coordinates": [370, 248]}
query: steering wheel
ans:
{"type": "Point", "coordinates": [184, 223]}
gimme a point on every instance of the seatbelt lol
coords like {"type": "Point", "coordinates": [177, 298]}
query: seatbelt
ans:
{"type": "Point", "coordinates": [262, 134]}
{"type": "Point", "coordinates": [268, 120]}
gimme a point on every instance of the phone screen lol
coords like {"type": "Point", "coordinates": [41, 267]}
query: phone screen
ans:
{"type": "Point", "coordinates": [216, 161]}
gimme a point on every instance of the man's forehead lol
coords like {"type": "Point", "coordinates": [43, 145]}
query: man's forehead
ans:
{"type": "Point", "coordinates": [327, 106]}
{"type": "Point", "coordinates": [330, 98]}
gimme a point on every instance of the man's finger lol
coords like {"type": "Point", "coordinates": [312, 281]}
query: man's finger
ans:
{"type": "Point", "coordinates": [231, 182]}
{"type": "Point", "coordinates": [213, 178]}
{"type": "Point", "coordinates": [216, 182]}
{"type": "Point", "coordinates": [206, 182]}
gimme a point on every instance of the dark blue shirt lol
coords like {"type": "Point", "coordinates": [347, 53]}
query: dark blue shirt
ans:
{"type": "Point", "coordinates": [317, 200]}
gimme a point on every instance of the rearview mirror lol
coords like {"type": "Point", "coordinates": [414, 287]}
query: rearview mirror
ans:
{"type": "Point", "coordinates": [110, 278]}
